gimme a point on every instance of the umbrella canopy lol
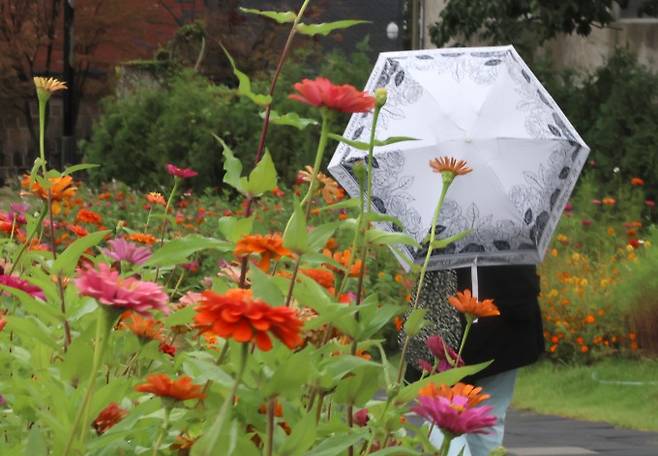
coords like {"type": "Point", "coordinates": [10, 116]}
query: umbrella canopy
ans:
{"type": "Point", "coordinates": [485, 106]}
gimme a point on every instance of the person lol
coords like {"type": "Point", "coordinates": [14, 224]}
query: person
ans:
{"type": "Point", "coordinates": [513, 340]}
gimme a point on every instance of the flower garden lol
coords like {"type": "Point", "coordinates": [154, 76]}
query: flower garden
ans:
{"type": "Point", "coordinates": [262, 320]}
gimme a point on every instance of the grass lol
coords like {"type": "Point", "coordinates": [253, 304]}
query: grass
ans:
{"type": "Point", "coordinates": [581, 392]}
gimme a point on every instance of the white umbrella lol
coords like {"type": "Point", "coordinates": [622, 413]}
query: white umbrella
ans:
{"type": "Point", "coordinates": [485, 106]}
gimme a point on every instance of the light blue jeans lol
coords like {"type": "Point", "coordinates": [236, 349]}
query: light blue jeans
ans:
{"type": "Point", "coordinates": [501, 388]}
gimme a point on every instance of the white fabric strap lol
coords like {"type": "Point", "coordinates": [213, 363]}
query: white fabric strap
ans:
{"type": "Point", "coordinates": [474, 278]}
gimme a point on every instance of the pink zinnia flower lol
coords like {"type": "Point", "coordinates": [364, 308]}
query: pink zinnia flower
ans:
{"type": "Point", "coordinates": [322, 92]}
{"type": "Point", "coordinates": [191, 298]}
{"type": "Point", "coordinates": [361, 417]}
{"type": "Point", "coordinates": [20, 284]}
{"type": "Point", "coordinates": [122, 250]}
{"type": "Point", "coordinates": [108, 288]}
{"type": "Point", "coordinates": [183, 173]}
{"type": "Point", "coordinates": [439, 348]}
{"type": "Point", "coordinates": [454, 415]}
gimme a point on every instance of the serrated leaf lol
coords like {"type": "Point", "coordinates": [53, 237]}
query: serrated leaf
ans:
{"type": "Point", "coordinates": [263, 177]}
{"type": "Point", "coordinates": [291, 119]}
{"type": "Point", "coordinates": [282, 17]}
{"type": "Point", "coordinates": [360, 145]}
{"type": "Point", "coordinates": [68, 260]}
{"type": "Point", "coordinates": [244, 84]}
{"type": "Point", "coordinates": [326, 28]}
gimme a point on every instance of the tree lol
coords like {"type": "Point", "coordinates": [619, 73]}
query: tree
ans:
{"type": "Point", "coordinates": [525, 23]}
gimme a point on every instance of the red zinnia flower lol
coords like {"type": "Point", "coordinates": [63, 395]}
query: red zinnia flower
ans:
{"type": "Point", "coordinates": [183, 173]}
{"type": "Point", "coordinates": [108, 417]}
{"type": "Point", "coordinates": [322, 92]}
{"type": "Point", "coordinates": [180, 389]}
{"type": "Point", "coordinates": [235, 314]}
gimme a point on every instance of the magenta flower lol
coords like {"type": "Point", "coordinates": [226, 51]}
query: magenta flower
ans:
{"type": "Point", "coordinates": [108, 288]}
{"type": "Point", "coordinates": [20, 284]}
{"type": "Point", "coordinates": [183, 173]}
{"type": "Point", "coordinates": [454, 416]}
{"type": "Point", "coordinates": [361, 417]}
{"type": "Point", "coordinates": [18, 210]}
{"type": "Point", "coordinates": [122, 250]}
{"type": "Point", "coordinates": [439, 349]}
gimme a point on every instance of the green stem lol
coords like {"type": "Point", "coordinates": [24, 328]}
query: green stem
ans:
{"type": "Point", "coordinates": [163, 432]}
{"type": "Point", "coordinates": [322, 145]}
{"type": "Point", "coordinates": [102, 334]}
{"type": "Point", "coordinates": [216, 428]}
{"type": "Point", "coordinates": [295, 272]}
{"type": "Point", "coordinates": [180, 280]}
{"type": "Point", "coordinates": [28, 241]}
{"type": "Point", "coordinates": [445, 445]}
{"type": "Point", "coordinates": [469, 323]}
{"type": "Point", "coordinates": [269, 441]}
{"type": "Point", "coordinates": [164, 222]}
{"type": "Point", "coordinates": [42, 134]}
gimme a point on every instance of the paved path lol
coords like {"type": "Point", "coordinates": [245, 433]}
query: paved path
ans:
{"type": "Point", "coordinates": [529, 434]}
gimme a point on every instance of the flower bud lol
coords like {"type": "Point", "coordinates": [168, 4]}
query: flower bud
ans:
{"type": "Point", "coordinates": [381, 95]}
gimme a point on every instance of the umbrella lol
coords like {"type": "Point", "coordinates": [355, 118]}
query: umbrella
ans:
{"type": "Point", "coordinates": [482, 105]}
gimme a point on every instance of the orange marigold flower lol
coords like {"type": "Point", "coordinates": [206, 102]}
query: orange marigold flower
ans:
{"type": "Point", "coordinates": [451, 165]}
{"type": "Point", "coordinates": [180, 389]}
{"type": "Point", "coordinates": [236, 314]}
{"type": "Point", "coordinates": [590, 319]}
{"type": "Point", "coordinates": [142, 238]}
{"type": "Point", "coordinates": [87, 216]}
{"type": "Point", "coordinates": [156, 198]}
{"type": "Point", "coordinates": [637, 181]}
{"type": "Point", "coordinates": [145, 328]}
{"type": "Point", "coordinates": [321, 276]}
{"type": "Point", "coordinates": [108, 417]}
{"type": "Point", "coordinates": [466, 303]}
{"type": "Point", "coordinates": [472, 393]}
{"type": "Point", "coordinates": [268, 247]}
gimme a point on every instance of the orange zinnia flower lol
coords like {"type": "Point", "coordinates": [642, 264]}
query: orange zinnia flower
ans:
{"type": "Point", "coordinates": [469, 305]}
{"type": "Point", "coordinates": [77, 230]}
{"type": "Point", "coordinates": [472, 393]}
{"type": "Point", "coordinates": [108, 417]}
{"type": "Point", "coordinates": [61, 188]}
{"type": "Point", "coordinates": [87, 216]}
{"type": "Point", "coordinates": [321, 276]}
{"type": "Point", "coordinates": [609, 201]}
{"type": "Point", "coordinates": [180, 389]}
{"type": "Point", "coordinates": [142, 238]}
{"type": "Point", "coordinates": [143, 327]}
{"type": "Point", "coordinates": [451, 165]}
{"type": "Point", "coordinates": [344, 259]}
{"type": "Point", "coordinates": [637, 182]}
{"type": "Point", "coordinates": [268, 247]}
{"type": "Point", "coordinates": [156, 198]}
{"type": "Point", "coordinates": [235, 314]}
{"type": "Point", "coordinates": [322, 92]}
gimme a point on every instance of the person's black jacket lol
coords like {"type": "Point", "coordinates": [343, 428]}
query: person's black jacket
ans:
{"type": "Point", "coordinates": [516, 337]}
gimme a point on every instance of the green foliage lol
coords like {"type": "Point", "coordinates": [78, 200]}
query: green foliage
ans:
{"type": "Point", "coordinates": [137, 135]}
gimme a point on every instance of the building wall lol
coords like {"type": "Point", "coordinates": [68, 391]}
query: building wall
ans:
{"type": "Point", "coordinates": [584, 53]}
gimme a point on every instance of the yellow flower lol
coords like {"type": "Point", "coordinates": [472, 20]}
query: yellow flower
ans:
{"type": "Point", "coordinates": [611, 231]}
{"type": "Point", "coordinates": [554, 252]}
{"type": "Point", "coordinates": [47, 86]}
{"type": "Point", "coordinates": [553, 293]}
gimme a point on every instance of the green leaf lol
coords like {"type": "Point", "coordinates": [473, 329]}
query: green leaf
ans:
{"type": "Point", "coordinates": [32, 330]}
{"type": "Point", "coordinates": [183, 316]}
{"type": "Point", "coordinates": [360, 145]}
{"type": "Point", "coordinates": [68, 259]}
{"type": "Point", "coordinates": [295, 236]}
{"type": "Point", "coordinates": [244, 84]}
{"type": "Point", "coordinates": [291, 119]}
{"type": "Point", "coordinates": [232, 168]}
{"type": "Point", "coordinates": [374, 317]}
{"type": "Point", "coordinates": [178, 250]}
{"type": "Point", "coordinates": [79, 167]}
{"type": "Point", "coordinates": [335, 368]}
{"type": "Point", "coordinates": [35, 306]}
{"type": "Point", "coordinates": [381, 237]}
{"type": "Point", "coordinates": [290, 375]}
{"type": "Point", "coordinates": [263, 177]}
{"type": "Point", "coordinates": [449, 377]}
{"type": "Point", "coordinates": [264, 287]}
{"type": "Point", "coordinates": [443, 243]}
{"type": "Point", "coordinates": [202, 367]}
{"type": "Point", "coordinates": [352, 203]}
{"type": "Point", "coordinates": [302, 438]}
{"type": "Point", "coordinates": [318, 238]}
{"type": "Point", "coordinates": [36, 443]}
{"type": "Point", "coordinates": [326, 28]}
{"type": "Point", "coordinates": [396, 451]}
{"type": "Point", "coordinates": [338, 443]}
{"type": "Point", "coordinates": [359, 387]}
{"type": "Point", "coordinates": [282, 17]}
{"type": "Point", "coordinates": [234, 228]}
{"type": "Point", "coordinates": [415, 322]}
